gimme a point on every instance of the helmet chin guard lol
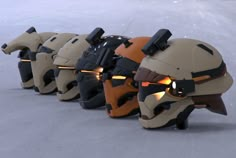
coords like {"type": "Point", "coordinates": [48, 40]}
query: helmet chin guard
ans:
{"type": "Point", "coordinates": [89, 73]}
{"type": "Point", "coordinates": [178, 76]}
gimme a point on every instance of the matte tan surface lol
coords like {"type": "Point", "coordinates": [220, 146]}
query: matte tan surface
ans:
{"type": "Point", "coordinates": [27, 84]}
{"type": "Point", "coordinates": [26, 40]}
{"type": "Point", "coordinates": [67, 57]}
{"type": "Point", "coordinates": [178, 61]}
{"type": "Point", "coordinates": [71, 51]}
{"type": "Point", "coordinates": [44, 61]}
{"type": "Point", "coordinates": [167, 115]}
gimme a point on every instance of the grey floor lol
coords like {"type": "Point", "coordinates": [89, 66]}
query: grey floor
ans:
{"type": "Point", "coordinates": [35, 126]}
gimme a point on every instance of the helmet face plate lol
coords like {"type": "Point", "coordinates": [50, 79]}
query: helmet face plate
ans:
{"type": "Point", "coordinates": [194, 68]}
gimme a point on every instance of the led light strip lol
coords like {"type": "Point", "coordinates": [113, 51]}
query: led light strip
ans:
{"type": "Point", "coordinates": [66, 67]}
{"type": "Point", "coordinates": [25, 60]}
{"type": "Point", "coordinates": [88, 71]}
{"type": "Point", "coordinates": [119, 77]}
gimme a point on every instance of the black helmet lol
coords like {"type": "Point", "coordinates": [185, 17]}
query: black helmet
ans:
{"type": "Point", "coordinates": [91, 88]}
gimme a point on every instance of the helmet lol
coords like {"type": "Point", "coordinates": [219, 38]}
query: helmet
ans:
{"type": "Point", "coordinates": [27, 42]}
{"type": "Point", "coordinates": [65, 61]}
{"type": "Point", "coordinates": [178, 76]}
{"type": "Point", "coordinates": [91, 89]}
{"type": "Point", "coordinates": [42, 63]}
{"type": "Point", "coordinates": [119, 86]}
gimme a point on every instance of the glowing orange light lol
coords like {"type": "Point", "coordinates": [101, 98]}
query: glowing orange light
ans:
{"type": "Point", "coordinates": [159, 95]}
{"type": "Point", "coordinates": [145, 84]}
{"type": "Point", "coordinates": [93, 72]}
{"type": "Point", "coordinates": [165, 81]}
{"type": "Point", "coordinates": [98, 77]}
{"type": "Point", "coordinates": [201, 78]}
{"type": "Point", "coordinates": [99, 69]}
{"type": "Point", "coordinates": [88, 71]}
{"type": "Point", "coordinates": [66, 67]}
{"type": "Point", "coordinates": [25, 60]}
{"type": "Point", "coordinates": [119, 77]}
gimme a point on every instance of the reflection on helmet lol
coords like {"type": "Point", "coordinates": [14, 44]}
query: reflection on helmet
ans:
{"type": "Point", "coordinates": [91, 89]}
{"type": "Point", "coordinates": [183, 75]}
{"type": "Point", "coordinates": [119, 86]}
{"type": "Point", "coordinates": [65, 72]}
{"type": "Point", "coordinates": [42, 63]}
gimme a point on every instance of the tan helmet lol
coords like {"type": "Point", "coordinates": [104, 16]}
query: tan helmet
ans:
{"type": "Point", "coordinates": [65, 72]}
{"type": "Point", "coordinates": [177, 76]}
{"type": "Point", "coordinates": [27, 42]}
{"type": "Point", "coordinates": [42, 63]}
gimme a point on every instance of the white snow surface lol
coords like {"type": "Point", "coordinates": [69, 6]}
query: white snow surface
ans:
{"type": "Point", "coordinates": [40, 126]}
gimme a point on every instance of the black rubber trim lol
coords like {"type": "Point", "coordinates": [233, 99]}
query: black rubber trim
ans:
{"type": "Point", "coordinates": [108, 107]}
{"type": "Point", "coordinates": [180, 121]}
{"type": "Point", "coordinates": [152, 88]}
{"type": "Point", "coordinates": [205, 48]}
{"type": "Point", "coordinates": [95, 36]}
{"type": "Point", "coordinates": [4, 46]}
{"type": "Point", "coordinates": [157, 42]}
{"type": "Point", "coordinates": [32, 56]}
{"type": "Point", "coordinates": [44, 49]}
{"type": "Point", "coordinates": [219, 71]}
{"type": "Point", "coordinates": [31, 30]}
{"type": "Point", "coordinates": [126, 97]}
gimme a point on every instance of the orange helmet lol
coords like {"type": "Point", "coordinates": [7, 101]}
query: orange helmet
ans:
{"type": "Point", "coordinates": [119, 86]}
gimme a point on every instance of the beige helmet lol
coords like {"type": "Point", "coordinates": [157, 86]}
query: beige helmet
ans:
{"type": "Point", "coordinates": [27, 42]}
{"type": "Point", "coordinates": [177, 76]}
{"type": "Point", "coordinates": [65, 72]}
{"type": "Point", "coordinates": [42, 63]}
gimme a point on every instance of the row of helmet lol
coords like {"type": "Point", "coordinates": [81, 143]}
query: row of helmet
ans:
{"type": "Point", "coordinates": [161, 79]}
